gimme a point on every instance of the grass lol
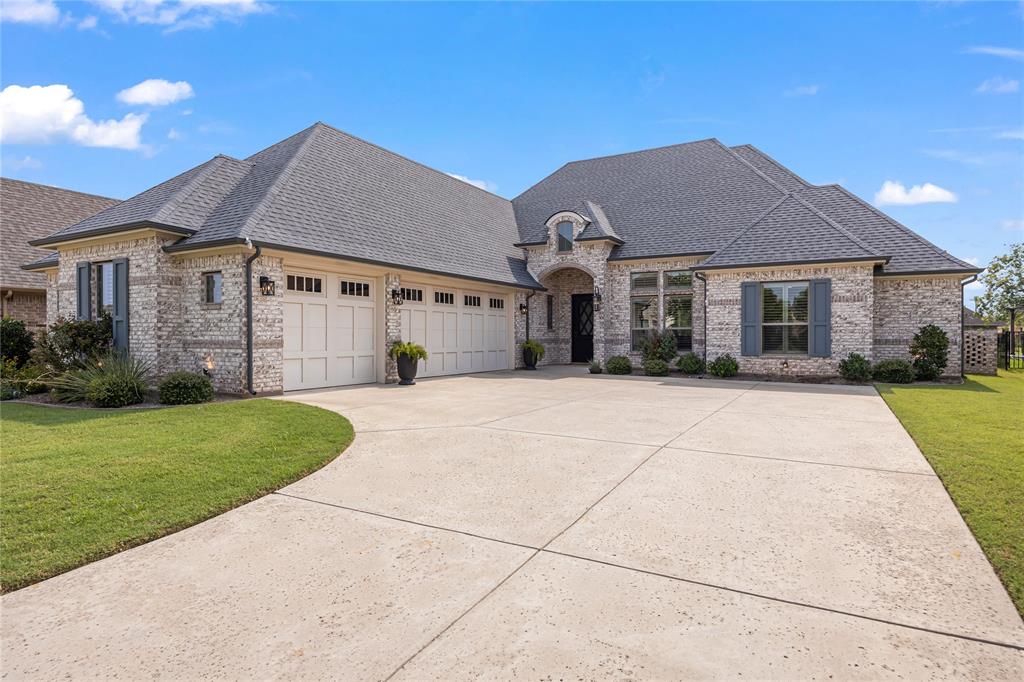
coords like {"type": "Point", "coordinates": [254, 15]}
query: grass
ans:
{"type": "Point", "coordinates": [79, 485]}
{"type": "Point", "coordinates": [973, 436]}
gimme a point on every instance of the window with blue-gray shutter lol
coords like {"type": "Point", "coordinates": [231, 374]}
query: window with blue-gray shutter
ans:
{"type": "Point", "coordinates": [83, 287]}
{"type": "Point", "coordinates": [750, 318]}
{"type": "Point", "coordinates": [821, 318]}
{"type": "Point", "coordinates": [120, 314]}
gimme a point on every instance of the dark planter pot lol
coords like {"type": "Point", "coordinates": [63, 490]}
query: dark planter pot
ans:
{"type": "Point", "coordinates": [407, 370]}
{"type": "Point", "coordinates": [529, 359]}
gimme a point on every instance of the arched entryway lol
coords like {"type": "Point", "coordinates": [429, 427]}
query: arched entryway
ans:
{"type": "Point", "coordinates": [568, 326]}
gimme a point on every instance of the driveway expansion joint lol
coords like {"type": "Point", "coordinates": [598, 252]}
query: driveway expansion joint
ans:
{"type": "Point", "coordinates": [802, 461]}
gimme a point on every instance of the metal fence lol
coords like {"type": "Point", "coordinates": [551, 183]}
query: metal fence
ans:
{"type": "Point", "coordinates": [1011, 349]}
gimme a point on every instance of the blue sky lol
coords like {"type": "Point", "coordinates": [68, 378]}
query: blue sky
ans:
{"type": "Point", "coordinates": [924, 96]}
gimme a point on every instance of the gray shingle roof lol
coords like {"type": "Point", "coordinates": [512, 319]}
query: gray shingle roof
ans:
{"type": "Point", "coordinates": [29, 211]}
{"type": "Point", "coordinates": [697, 197]}
{"type": "Point", "coordinates": [791, 232]}
{"type": "Point", "coordinates": [599, 226]}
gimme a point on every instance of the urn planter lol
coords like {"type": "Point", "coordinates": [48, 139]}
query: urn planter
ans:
{"type": "Point", "coordinates": [407, 367]}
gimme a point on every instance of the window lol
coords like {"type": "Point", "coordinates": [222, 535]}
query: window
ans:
{"type": "Point", "coordinates": [551, 311]}
{"type": "Point", "coordinates": [413, 295]}
{"type": "Point", "coordinates": [679, 320]}
{"type": "Point", "coordinates": [445, 297]}
{"type": "Point", "coordinates": [212, 287]}
{"type": "Point", "coordinates": [472, 301]}
{"type": "Point", "coordinates": [565, 236]}
{"type": "Point", "coordinates": [642, 312]}
{"type": "Point", "coordinates": [309, 285]}
{"type": "Point", "coordinates": [355, 289]}
{"type": "Point", "coordinates": [498, 303]}
{"type": "Point", "coordinates": [678, 279]}
{"type": "Point", "coordinates": [784, 317]}
{"type": "Point", "coordinates": [104, 287]}
{"type": "Point", "coordinates": [643, 280]}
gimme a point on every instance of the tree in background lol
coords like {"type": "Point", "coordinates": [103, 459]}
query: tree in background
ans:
{"type": "Point", "coordinates": [1004, 287]}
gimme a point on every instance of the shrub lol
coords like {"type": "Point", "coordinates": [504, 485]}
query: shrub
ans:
{"type": "Point", "coordinates": [619, 364]}
{"type": "Point", "coordinates": [70, 344]}
{"type": "Point", "coordinates": [595, 366]}
{"type": "Point", "coordinates": [855, 368]}
{"type": "Point", "coordinates": [185, 388]}
{"type": "Point", "coordinates": [15, 341]}
{"type": "Point", "coordinates": [893, 372]}
{"type": "Point", "coordinates": [653, 367]}
{"type": "Point", "coordinates": [690, 363]}
{"type": "Point", "coordinates": [659, 344]}
{"type": "Point", "coordinates": [724, 366]}
{"type": "Point", "coordinates": [115, 379]}
{"type": "Point", "coordinates": [16, 382]}
{"type": "Point", "coordinates": [930, 351]}
{"type": "Point", "coordinates": [413, 350]}
{"type": "Point", "coordinates": [536, 347]}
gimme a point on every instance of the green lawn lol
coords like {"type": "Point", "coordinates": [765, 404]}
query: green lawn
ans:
{"type": "Point", "coordinates": [973, 435]}
{"type": "Point", "coordinates": [79, 485]}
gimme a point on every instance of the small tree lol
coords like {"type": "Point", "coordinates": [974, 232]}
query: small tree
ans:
{"type": "Point", "coordinates": [1004, 287]}
{"type": "Point", "coordinates": [15, 342]}
{"type": "Point", "coordinates": [930, 352]}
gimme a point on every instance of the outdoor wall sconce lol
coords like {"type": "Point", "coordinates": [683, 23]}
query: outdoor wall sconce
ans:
{"type": "Point", "coordinates": [208, 368]}
{"type": "Point", "coordinates": [523, 309]}
{"type": "Point", "coordinates": [396, 296]}
{"type": "Point", "coordinates": [266, 286]}
{"type": "Point", "coordinates": [785, 364]}
{"type": "Point", "coordinates": [597, 297]}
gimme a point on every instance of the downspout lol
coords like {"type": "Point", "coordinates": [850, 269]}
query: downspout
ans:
{"type": "Point", "coordinates": [249, 316]}
{"type": "Point", "coordinates": [704, 314]}
{"type": "Point", "coordinates": [963, 336]}
{"type": "Point", "coordinates": [532, 294]}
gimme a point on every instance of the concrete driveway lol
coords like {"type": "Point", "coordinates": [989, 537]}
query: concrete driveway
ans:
{"type": "Point", "coordinates": [556, 525]}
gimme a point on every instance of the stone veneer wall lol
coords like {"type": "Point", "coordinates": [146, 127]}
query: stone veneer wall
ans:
{"type": "Point", "coordinates": [392, 326]}
{"type": "Point", "coordinates": [981, 347]}
{"type": "Point", "coordinates": [905, 304]}
{"type": "Point", "coordinates": [27, 306]}
{"type": "Point", "coordinates": [853, 307]}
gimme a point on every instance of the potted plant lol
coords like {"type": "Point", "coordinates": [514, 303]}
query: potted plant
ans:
{"type": "Point", "coordinates": [533, 352]}
{"type": "Point", "coordinates": [595, 366]}
{"type": "Point", "coordinates": [408, 355]}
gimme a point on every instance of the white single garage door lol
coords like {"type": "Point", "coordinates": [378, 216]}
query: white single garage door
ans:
{"type": "Point", "coordinates": [462, 330]}
{"type": "Point", "coordinates": [329, 330]}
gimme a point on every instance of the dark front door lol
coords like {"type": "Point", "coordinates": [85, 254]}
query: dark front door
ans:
{"type": "Point", "coordinates": [582, 327]}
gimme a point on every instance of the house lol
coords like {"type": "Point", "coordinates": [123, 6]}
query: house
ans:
{"type": "Point", "coordinates": [335, 248]}
{"type": "Point", "coordinates": [30, 211]}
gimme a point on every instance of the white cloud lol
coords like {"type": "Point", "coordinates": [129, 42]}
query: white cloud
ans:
{"type": "Point", "coordinates": [173, 134]}
{"type": "Point", "coordinates": [1013, 225]}
{"type": "Point", "coordinates": [186, 14]}
{"type": "Point", "coordinates": [1007, 52]}
{"type": "Point", "coordinates": [1017, 134]}
{"type": "Point", "coordinates": [156, 92]}
{"type": "Point", "coordinates": [42, 114]}
{"type": "Point", "coordinates": [29, 11]}
{"type": "Point", "coordinates": [88, 22]}
{"type": "Point", "coordinates": [803, 91]}
{"type": "Point", "coordinates": [482, 184]}
{"type": "Point", "coordinates": [894, 193]}
{"type": "Point", "coordinates": [973, 260]}
{"type": "Point", "coordinates": [962, 157]}
{"type": "Point", "coordinates": [13, 163]}
{"type": "Point", "coordinates": [998, 86]}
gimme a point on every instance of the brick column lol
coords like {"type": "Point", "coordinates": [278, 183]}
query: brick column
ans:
{"type": "Point", "coordinates": [392, 326]}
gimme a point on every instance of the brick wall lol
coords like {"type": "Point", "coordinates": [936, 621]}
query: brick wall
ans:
{"type": "Point", "coordinates": [905, 304]}
{"type": "Point", "coordinates": [27, 306]}
{"type": "Point", "coordinates": [980, 350]}
{"type": "Point", "coordinates": [852, 310]}
{"type": "Point", "coordinates": [392, 326]}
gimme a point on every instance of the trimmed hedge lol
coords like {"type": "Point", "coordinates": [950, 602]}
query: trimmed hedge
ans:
{"type": "Point", "coordinates": [930, 350]}
{"type": "Point", "coordinates": [893, 372]}
{"type": "Point", "coordinates": [690, 363]}
{"type": "Point", "coordinates": [855, 367]}
{"type": "Point", "coordinates": [619, 364]}
{"type": "Point", "coordinates": [724, 366]}
{"type": "Point", "coordinates": [653, 367]}
{"type": "Point", "coordinates": [185, 388]}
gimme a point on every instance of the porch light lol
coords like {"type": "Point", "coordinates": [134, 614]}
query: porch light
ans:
{"type": "Point", "coordinates": [597, 297]}
{"type": "Point", "coordinates": [523, 309]}
{"type": "Point", "coordinates": [266, 286]}
{"type": "Point", "coordinates": [396, 296]}
{"type": "Point", "coordinates": [208, 366]}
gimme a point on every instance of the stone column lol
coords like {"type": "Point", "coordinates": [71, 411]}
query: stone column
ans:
{"type": "Point", "coordinates": [392, 326]}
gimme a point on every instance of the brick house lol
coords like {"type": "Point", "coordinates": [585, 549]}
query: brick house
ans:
{"type": "Point", "coordinates": [335, 248]}
{"type": "Point", "coordinates": [29, 211]}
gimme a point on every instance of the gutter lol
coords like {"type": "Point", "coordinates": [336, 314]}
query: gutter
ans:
{"type": "Point", "coordinates": [704, 316]}
{"type": "Point", "coordinates": [963, 345]}
{"type": "Point", "coordinates": [248, 318]}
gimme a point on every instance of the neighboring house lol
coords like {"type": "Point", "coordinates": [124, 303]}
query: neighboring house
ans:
{"type": "Point", "coordinates": [29, 211]}
{"type": "Point", "coordinates": [335, 248]}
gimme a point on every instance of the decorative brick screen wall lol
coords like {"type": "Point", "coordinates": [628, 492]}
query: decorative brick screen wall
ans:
{"type": "Point", "coordinates": [980, 350]}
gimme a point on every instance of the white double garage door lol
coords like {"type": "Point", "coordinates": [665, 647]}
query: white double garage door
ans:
{"type": "Point", "coordinates": [334, 329]}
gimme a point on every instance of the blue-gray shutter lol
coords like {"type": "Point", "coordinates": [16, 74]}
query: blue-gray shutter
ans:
{"type": "Point", "coordinates": [821, 318]}
{"type": "Point", "coordinates": [750, 318]}
{"type": "Point", "coordinates": [83, 287]}
{"type": "Point", "coordinates": [120, 303]}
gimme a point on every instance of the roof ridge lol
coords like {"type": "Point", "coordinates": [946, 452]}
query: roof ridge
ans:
{"type": "Point", "coordinates": [59, 189]}
{"type": "Point", "coordinates": [406, 158]}
{"type": "Point", "coordinates": [172, 204]}
{"type": "Point", "coordinates": [761, 174]}
{"type": "Point", "coordinates": [898, 224]}
{"type": "Point", "coordinates": [640, 151]}
{"type": "Point", "coordinates": [746, 229]}
{"type": "Point", "coordinates": [836, 225]}
{"type": "Point", "coordinates": [775, 163]}
{"type": "Point", "coordinates": [283, 176]}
